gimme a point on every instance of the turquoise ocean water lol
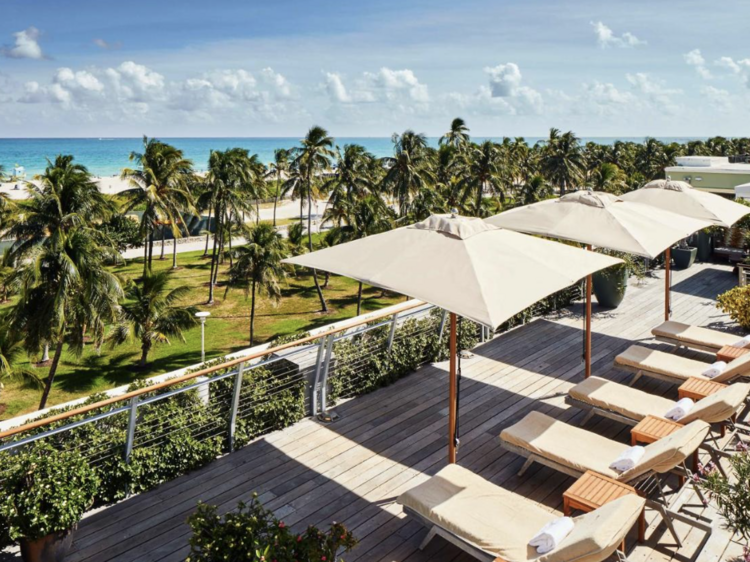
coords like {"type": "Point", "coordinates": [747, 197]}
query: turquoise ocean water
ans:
{"type": "Point", "coordinates": [106, 157]}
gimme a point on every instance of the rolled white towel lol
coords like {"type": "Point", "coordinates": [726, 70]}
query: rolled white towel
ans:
{"type": "Point", "coordinates": [628, 458]}
{"type": "Point", "coordinates": [680, 409]}
{"type": "Point", "coordinates": [552, 534]}
{"type": "Point", "coordinates": [714, 369]}
{"type": "Point", "coordinates": [744, 342]}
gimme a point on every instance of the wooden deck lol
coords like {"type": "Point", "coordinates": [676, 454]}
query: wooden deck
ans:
{"type": "Point", "coordinates": [386, 442]}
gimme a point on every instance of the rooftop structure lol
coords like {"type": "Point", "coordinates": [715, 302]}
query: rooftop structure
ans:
{"type": "Point", "coordinates": [718, 174]}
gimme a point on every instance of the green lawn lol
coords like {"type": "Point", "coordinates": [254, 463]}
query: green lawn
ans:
{"type": "Point", "coordinates": [227, 330]}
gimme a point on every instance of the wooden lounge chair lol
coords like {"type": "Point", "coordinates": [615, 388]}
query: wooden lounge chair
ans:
{"type": "Point", "coordinates": [629, 405]}
{"type": "Point", "coordinates": [494, 524]}
{"type": "Point", "coordinates": [573, 451]}
{"type": "Point", "coordinates": [675, 368]}
{"type": "Point", "coordinates": [693, 337]}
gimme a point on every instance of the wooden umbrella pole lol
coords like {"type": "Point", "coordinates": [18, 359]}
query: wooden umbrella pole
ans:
{"type": "Point", "coordinates": [667, 282]}
{"type": "Point", "coordinates": [589, 283]}
{"type": "Point", "coordinates": [452, 406]}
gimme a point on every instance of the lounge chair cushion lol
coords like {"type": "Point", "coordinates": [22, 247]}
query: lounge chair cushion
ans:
{"type": "Point", "coordinates": [720, 406]}
{"type": "Point", "coordinates": [739, 367]}
{"type": "Point", "coordinates": [565, 444]}
{"type": "Point", "coordinates": [582, 450]}
{"type": "Point", "coordinates": [695, 335]}
{"type": "Point", "coordinates": [501, 522]}
{"type": "Point", "coordinates": [667, 364]}
{"type": "Point", "coordinates": [629, 402]}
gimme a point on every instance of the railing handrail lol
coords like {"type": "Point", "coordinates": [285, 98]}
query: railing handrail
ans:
{"type": "Point", "coordinates": [355, 322]}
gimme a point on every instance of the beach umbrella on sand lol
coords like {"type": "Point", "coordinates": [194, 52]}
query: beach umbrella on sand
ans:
{"type": "Point", "coordinates": [605, 221]}
{"type": "Point", "coordinates": [464, 266]}
{"type": "Point", "coordinates": [682, 198]}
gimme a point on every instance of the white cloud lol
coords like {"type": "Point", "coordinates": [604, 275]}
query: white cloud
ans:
{"type": "Point", "coordinates": [695, 59]}
{"type": "Point", "coordinates": [399, 89]}
{"type": "Point", "coordinates": [505, 82]}
{"type": "Point", "coordinates": [26, 45]}
{"type": "Point", "coordinates": [106, 45]}
{"type": "Point", "coordinates": [606, 95]}
{"type": "Point", "coordinates": [135, 82]}
{"type": "Point", "coordinates": [655, 92]}
{"type": "Point", "coordinates": [334, 86]}
{"type": "Point", "coordinates": [606, 38]}
{"type": "Point", "coordinates": [720, 99]}
{"type": "Point", "coordinates": [740, 68]}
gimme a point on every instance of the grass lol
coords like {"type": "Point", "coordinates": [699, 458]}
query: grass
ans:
{"type": "Point", "coordinates": [227, 330]}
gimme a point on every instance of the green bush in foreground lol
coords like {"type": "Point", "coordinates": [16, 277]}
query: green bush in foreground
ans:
{"type": "Point", "coordinates": [251, 533]}
{"type": "Point", "coordinates": [45, 491]}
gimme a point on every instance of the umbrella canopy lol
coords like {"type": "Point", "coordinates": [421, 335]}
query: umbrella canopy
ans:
{"type": "Point", "coordinates": [604, 220]}
{"type": "Point", "coordinates": [680, 197]}
{"type": "Point", "coordinates": [462, 265]}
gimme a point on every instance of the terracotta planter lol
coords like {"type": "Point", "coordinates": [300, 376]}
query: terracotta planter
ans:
{"type": "Point", "coordinates": [52, 548]}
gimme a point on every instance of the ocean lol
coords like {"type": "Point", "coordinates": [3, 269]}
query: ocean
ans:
{"type": "Point", "coordinates": [107, 156]}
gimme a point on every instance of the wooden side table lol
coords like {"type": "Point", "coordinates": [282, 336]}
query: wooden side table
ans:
{"type": "Point", "coordinates": [697, 389]}
{"type": "Point", "coordinates": [729, 353]}
{"type": "Point", "coordinates": [652, 428]}
{"type": "Point", "coordinates": [592, 490]}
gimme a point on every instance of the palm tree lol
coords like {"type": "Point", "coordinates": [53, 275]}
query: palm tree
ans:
{"type": "Point", "coordinates": [482, 174]}
{"type": "Point", "coordinates": [650, 159]}
{"type": "Point", "coordinates": [296, 238]}
{"type": "Point", "coordinates": [258, 266]}
{"type": "Point", "coordinates": [457, 136]}
{"type": "Point", "coordinates": [8, 281]}
{"type": "Point", "coordinates": [409, 170]}
{"type": "Point", "coordinates": [278, 169]}
{"type": "Point", "coordinates": [11, 353]}
{"type": "Point", "coordinates": [359, 218]}
{"type": "Point", "coordinates": [312, 159]}
{"type": "Point", "coordinates": [534, 190]}
{"type": "Point", "coordinates": [152, 313]}
{"type": "Point", "coordinates": [65, 290]}
{"type": "Point", "coordinates": [229, 191]}
{"type": "Point", "coordinates": [608, 177]}
{"type": "Point", "coordinates": [563, 162]}
{"type": "Point", "coordinates": [160, 183]}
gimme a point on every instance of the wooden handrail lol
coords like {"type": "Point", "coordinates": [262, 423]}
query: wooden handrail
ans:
{"type": "Point", "coordinates": [355, 322]}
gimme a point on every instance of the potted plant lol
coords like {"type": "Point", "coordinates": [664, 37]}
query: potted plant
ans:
{"type": "Point", "coordinates": [610, 284]}
{"type": "Point", "coordinates": [45, 494]}
{"type": "Point", "coordinates": [251, 533]}
{"type": "Point", "coordinates": [704, 242]}
{"type": "Point", "coordinates": [684, 255]}
{"type": "Point", "coordinates": [732, 495]}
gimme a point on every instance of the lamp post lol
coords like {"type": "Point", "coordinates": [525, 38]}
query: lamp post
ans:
{"type": "Point", "coordinates": [203, 316]}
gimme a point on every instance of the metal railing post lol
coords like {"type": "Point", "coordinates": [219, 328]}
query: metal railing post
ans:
{"type": "Point", "coordinates": [324, 378]}
{"type": "Point", "coordinates": [441, 330]}
{"type": "Point", "coordinates": [318, 369]}
{"type": "Point", "coordinates": [392, 334]}
{"type": "Point", "coordinates": [235, 405]}
{"type": "Point", "coordinates": [132, 420]}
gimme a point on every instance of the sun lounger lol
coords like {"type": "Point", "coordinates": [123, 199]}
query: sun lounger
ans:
{"type": "Point", "coordinates": [573, 451]}
{"type": "Point", "coordinates": [675, 368]}
{"type": "Point", "coordinates": [629, 405]}
{"type": "Point", "coordinates": [494, 524]}
{"type": "Point", "coordinates": [693, 337]}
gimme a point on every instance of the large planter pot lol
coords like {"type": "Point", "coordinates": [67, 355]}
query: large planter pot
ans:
{"type": "Point", "coordinates": [684, 257]}
{"type": "Point", "coordinates": [704, 243]}
{"type": "Point", "coordinates": [610, 286]}
{"type": "Point", "coordinates": [52, 548]}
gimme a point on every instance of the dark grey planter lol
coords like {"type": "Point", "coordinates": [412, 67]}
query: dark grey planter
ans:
{"type": "Point", "coordinates": [704, 244]}
{"type": "Point", "coordinates": [610, 286]}
{"type": "Point", "coordinates": [684, 257]}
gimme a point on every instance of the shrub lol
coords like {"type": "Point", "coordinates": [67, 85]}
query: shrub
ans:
{"type": "Point", "coordinates": [252, 533]}
{"type": "Point", "coordinates": [736, 303]}
{"type": "Point", "coordinates": [45, 491]}
{"type": "Point", "coordinates": [732, 496]}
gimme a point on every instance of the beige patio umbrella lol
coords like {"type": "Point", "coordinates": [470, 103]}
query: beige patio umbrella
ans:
{"type": "Point", "coordinates": [464, 266]}
{"type": "Point", "coordinates": [682, 198]}
{"type": "Point", "coordinates": [602, 220]}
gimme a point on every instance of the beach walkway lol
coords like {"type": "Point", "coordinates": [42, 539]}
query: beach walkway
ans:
{"type": "Point", "coordinates": [384, 443]}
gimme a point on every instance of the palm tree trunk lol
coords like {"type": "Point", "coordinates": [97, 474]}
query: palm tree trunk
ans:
{"type": "Point", "coordinates": [52, 372]}
{"type": "Point", "coordinates": [326, 278]}
{"type": "Point", "coordinates": [359, 299]}
{"type": "Point", "coordinates": [144, 355]}
{"type": "Point", "coordinates": [174, 252]}
{"type": "Point", "coordinates": [276, 199]}
{"type": "Point", "coordinates": [150, 250]}
{"type": "Point", "coordinates": [214, 265]}
{"type": "Point", "coordinates": [252, 315]}
{"type": "Point", "coordinates": [208, 232]}
{"type": "Point", "coordinates": [163, 238]}
{"type": "Point", "coordinates": [257, 212]}
{"type": "Point", "coordinates": [145, 256]}
{"type": "Point", "coordinates": [323, 305]}
{"type": "Point", "coordinates": [45, 353]}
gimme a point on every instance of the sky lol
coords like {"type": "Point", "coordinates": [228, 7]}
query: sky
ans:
{"type": "Point", "coordinates": [246, 68]}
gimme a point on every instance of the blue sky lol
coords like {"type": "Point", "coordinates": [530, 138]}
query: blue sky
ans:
{"type": "Point", "coordinates": [248, 68]}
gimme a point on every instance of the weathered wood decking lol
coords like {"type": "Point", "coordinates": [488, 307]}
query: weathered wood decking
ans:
{"type": "Point", "coordinates": [388, 441]}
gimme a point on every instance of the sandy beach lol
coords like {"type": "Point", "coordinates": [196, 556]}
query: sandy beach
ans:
{"type": "Point", "coordinates": [109, 185]}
